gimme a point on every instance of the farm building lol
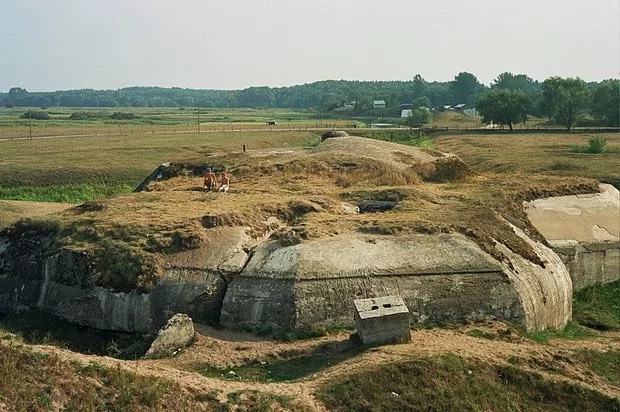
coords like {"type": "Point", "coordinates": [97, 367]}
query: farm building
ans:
{"type": "Point", "coordinates": [378, 104]}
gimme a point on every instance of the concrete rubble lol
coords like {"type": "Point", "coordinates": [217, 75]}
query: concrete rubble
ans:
{"type": "Point", "coordinates": [176, 334]}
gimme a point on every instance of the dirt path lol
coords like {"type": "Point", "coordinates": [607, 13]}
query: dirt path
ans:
{"type": "Point", "coordinates": [226, 349]}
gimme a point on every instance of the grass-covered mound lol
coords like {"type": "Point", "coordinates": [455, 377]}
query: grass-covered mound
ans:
{"type": "Point", "coordinates": [450, 382]}
{"type": "Point", "coordinates": [35, 381]}
{"type": "Point", "coordinates": [304, 190]}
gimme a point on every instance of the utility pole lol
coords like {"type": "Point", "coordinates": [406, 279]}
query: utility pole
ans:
{"type": "Point", "coordinates": [29, 126]}
{"type": "Point", "coordinates": [198, 119]}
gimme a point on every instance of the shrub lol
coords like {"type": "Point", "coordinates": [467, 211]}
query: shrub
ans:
{"type": "Point", "coordinates": [35, 114]}
{"type": "Point", "coordinates": [86, 116]}
{"type": "Point", "coordinates": [596, 144]}
{"type": "Point", "coordinates": [123, 116]}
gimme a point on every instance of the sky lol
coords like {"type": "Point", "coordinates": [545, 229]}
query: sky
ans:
{"type": "Point", "coordinates": [49, 45]}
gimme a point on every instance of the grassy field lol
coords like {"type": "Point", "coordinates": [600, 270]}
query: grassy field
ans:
{"type": "Point", "coordinates": [559, 154]}
{"type": "Point", "coordinates": [118, 160]}
{"type": "Point", "coordinates": [97, 121]}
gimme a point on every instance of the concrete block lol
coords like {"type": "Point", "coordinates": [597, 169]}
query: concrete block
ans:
{"type": "Point", "coordinates": [382, 320]}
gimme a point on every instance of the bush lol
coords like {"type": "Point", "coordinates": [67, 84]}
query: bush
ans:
{"type": "Point", "coordinates": [35, 114]}
{"type": "Point", "coordinates": [85, 116]}
{"type": "Point", "coordinates": [596, 145]}
{"type": "Point", "coordinates": [123, 116]}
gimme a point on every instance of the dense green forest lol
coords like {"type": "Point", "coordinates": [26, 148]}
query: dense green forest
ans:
{"type": "Point", "coordinates": [329, 95]}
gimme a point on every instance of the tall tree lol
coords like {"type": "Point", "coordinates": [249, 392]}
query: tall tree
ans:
{"type": "Point", "coordinates": [504, 107]}
{"type": "Point", "coordinates": [464, 87]}
{"type": "Point", "coordinates": [418, 117]}
{"type": "Point", "coordinates": [512, 81]}
{"type": "Point", "coordinates": [419, 86]}
{"type": "Point", "coordinates": [565, 99]}
{"type": "Point", "coordinates": [606, 102]}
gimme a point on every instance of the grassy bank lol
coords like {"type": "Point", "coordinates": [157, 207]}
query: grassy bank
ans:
{"type": "Point", "coordinates": [34, 381]}
{"type": "Point", "coordinates": [450, 382]}
{"type": "Point", "coordinates": [598, 307]}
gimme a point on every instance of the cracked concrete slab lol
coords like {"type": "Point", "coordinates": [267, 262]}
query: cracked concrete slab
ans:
{"type": "Point", "coordinates": [583, 218]}
{"type": "Point", "coordinates": [584, 230]}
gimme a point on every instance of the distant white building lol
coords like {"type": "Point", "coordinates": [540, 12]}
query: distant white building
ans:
{"type": "Point", "coordinates": [382, 125]}
{"type": "Point", "coordinates": [378, 104]}
{"type": "Point", "coordinates": [405, 113]}
{"type": "Point", "coordinates": [471, 113]}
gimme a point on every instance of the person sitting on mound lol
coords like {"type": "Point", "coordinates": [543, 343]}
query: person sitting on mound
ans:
{"type": "Point", "coordinates": [224, 182]}
{"type": "Point", "coordinates": [210, 180]}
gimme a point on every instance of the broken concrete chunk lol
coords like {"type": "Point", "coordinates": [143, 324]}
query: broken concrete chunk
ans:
{"type": "Point", "coordinates": [176, 334]}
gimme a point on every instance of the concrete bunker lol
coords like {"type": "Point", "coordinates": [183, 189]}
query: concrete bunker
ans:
{"type": "Point", "coordinates": [441, 278]}
{"type": "Point", "coordinates": [245, 279]}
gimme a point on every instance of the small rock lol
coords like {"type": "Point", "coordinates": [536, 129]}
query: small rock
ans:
{"type": "Point", "coordinates": [176, 334]}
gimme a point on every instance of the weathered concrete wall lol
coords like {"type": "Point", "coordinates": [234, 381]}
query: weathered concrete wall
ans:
{"type": "Point", "coordinates": [431, 299]}
{"type": "Point", "coordinates": [546, 293]}
{"type": "Point", "coordinates": [584, 230]}
{"type": "Point", "coordinates": [590, 264]}
{"type": "Point", "coordinates": [194, 282]}
{"type": "Point", "coordinates": [259, 303]}
{"type": "Point", "coordinates": [442, 278]}
{"type": "Point", "coordinates": [198, 293]}
{"type": "Point", "coordinates": [21, 269]}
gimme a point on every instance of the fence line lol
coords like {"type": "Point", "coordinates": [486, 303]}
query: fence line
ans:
{"type": "Point", "coordinates": [206, 127]}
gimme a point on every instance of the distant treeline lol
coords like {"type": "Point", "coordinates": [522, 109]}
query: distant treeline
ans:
{"type": "Point", "coordinates": [323, 95]}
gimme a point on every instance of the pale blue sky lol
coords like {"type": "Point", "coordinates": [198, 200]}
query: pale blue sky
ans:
{"type": "Point", "coordinates": [107, 44]}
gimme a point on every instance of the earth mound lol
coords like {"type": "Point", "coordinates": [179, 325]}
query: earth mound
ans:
{"type": "Point", "coordinates": [290, 227]}
{"type": "Point", "coordinates": [334, 133]}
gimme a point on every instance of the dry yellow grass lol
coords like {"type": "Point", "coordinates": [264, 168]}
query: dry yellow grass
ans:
{"type": "Point", "coordinates": [549, 153]}
{"type": "Point", "coordinates": [11, 210]}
